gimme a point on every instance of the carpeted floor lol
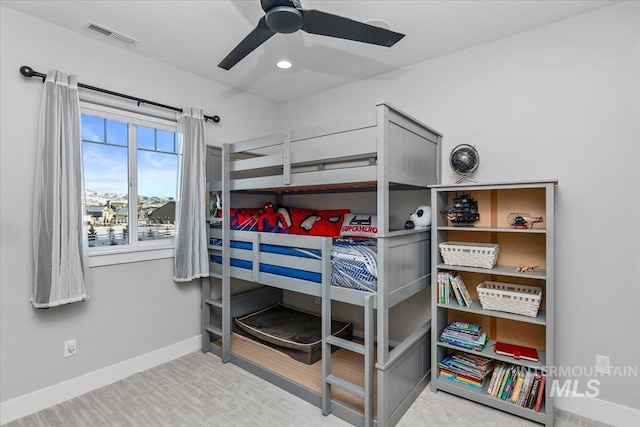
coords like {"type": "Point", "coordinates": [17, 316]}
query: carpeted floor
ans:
{"type": "Point", "coordinates": [199, 390]}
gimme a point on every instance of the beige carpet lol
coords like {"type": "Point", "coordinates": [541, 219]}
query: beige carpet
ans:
{"type": "Point", "coordinates": [199, 390]}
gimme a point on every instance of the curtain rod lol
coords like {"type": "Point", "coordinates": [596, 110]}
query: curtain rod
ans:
{"type": "Point", "coordinates": [27, 71]}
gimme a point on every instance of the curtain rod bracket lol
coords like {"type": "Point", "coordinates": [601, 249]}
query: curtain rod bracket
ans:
{"type": "Point", "coordinates": [29, 72]}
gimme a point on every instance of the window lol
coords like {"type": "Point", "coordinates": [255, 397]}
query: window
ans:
{"type": "Point", "coordinates": [130, 178]}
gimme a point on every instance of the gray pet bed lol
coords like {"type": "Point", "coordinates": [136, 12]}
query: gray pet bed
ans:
{"type": "Point", "coordinates": [293, 332]}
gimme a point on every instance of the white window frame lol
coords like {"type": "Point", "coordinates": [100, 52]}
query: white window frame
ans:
{"type": "Point", "coordinates": [135, 251]}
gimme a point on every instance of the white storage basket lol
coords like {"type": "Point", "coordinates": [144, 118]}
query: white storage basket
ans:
{"type": "Point", "coordinates": [517, 299]}
{"type": "Point", "coordinates": [484, 255]}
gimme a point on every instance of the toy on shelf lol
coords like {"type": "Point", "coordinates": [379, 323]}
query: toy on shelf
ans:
{"type": "Point", "coordinates": [215, 206]}
{"type": "Point", "coordinates": [421, 218]}
{"type": "Point", "coordinates": [462, 211]}
{"type": "Point", "coordinates": [523, 220]}
{"type": "Point", "coordinates": [528, 269]}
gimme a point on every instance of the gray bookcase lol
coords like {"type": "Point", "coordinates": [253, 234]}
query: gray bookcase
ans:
{"type": "Point", "coordinates": [531, 247]}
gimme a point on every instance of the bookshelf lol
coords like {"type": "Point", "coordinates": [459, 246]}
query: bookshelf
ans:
{"type": "Point", "coordinates": [529, 246]}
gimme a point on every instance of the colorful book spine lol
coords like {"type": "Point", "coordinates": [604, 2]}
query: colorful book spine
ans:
{"type": "Point", "coordinates": [526, 388]}
{"type": "Point", "coordinates": [497, 372]}
{"type": "Point", "coordinates": [444, 288]}
{"type": "Point", "coordinates": [471, 328]}
{"type": "Point", "coordinates": [534, 392]}
{"type": "Point", "coordinates": [505, 378]}
{"type": "Point", "coordinates": [462, 288]}
{"type": "Point", "coordinates": [518, 386]}
{"type": "Point", "coordinates": [461, 335]}
{"type": "Point", "coordinates": [540, 394]}
{"type": "Point", "coordinates": [457, 293]}
{"type": "Point", "coordinates": [508, 387]}
{"type": "Point", "coordinates": [460, 378]}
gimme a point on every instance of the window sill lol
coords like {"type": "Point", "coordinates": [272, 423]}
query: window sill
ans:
{"type": "Point", "coordinates": [124, 255]}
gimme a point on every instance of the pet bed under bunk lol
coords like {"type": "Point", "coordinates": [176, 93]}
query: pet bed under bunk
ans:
{"type": "Point", "coordinates": [290, 331]}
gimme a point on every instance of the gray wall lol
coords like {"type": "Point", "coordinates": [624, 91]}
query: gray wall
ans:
{"type": "Point", "coordinates": [134, 308]}
{"type": "Point", "coordinates": [556, 102]}
{"type": "Point", "coordinates": [561, 101]}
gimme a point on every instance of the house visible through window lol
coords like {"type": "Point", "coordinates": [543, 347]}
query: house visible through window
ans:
{"type": "Point", "coordinates": [130, 179]}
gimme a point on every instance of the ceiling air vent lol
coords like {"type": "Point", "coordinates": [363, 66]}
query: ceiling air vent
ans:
{"type": "Point", "coordinates": [110, 34]}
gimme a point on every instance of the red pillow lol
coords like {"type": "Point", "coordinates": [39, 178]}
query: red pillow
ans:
{"type": "Point", "coordinates": [316, 222]}
{"type": "Point", "coordinates": [244, 219]}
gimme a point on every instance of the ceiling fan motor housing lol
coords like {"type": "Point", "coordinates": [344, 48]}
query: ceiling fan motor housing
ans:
{"type": "Point", "coordinates": [284, 19]}
{"type": "Point", "coordinates": [270, 4]}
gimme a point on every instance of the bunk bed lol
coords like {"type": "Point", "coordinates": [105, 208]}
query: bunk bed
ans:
{"type": "Point", "coordinates": [377, 152]}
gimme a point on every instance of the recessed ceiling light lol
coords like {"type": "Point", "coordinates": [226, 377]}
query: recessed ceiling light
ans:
{"type": "Point", "coordinates": [284, 64]}
{"type": "Point", "coordinates": [378, 23]}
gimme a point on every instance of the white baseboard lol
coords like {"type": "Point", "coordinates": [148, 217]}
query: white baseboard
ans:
{"type": "Point", "coordinates": [599, 410]}
{"type": "Point", "coordinates": [57, 393]}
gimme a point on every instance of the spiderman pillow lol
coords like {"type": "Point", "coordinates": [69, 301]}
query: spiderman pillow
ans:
{"type": "Point", "coordinates": [265, 219]}
{"type": "Point", "coordinates": [312, 222]}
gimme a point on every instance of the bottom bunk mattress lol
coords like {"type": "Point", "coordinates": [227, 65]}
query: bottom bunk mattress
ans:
{"type": "Point", "coordinates": [354, 262]}
{"type": "Point", "coordinates": [293, 332]}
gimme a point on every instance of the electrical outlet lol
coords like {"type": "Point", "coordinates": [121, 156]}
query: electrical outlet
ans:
{"type": "Point", "coordinates": [70, 348]}
{"type": "Point", "coordinates": [602, 364]}
{"type": "Point", "coordinates": [317, 300]}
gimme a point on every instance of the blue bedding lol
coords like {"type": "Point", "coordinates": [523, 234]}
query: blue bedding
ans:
{"type": "Point", "coordinates": [354, 262]}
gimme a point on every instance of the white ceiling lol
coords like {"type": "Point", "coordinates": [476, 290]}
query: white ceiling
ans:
{"type": "Point", "coordinates": [196, 35]}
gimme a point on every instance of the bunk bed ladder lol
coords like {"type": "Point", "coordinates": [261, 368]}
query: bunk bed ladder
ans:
{"type": "Point", "coordinates": [212, 309]}
{"type": "Point", "coordinates": [213, 303]}
{"type": "Point", "coordinates": [366, 349]}
{"type": "Point", "coordinates": [209, 303]}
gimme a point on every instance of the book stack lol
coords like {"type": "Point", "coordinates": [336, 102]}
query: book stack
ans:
{"type": "Point", "coordinates": [466, 369]}
{"type": "Point", "coordinates": [444, 288]}
{"type": "Point", "coordinates": [465, 335]}
{"type": "Point", "coordinates": [452, 281]}
{"type": "Point", "coordinates": [518, 385]}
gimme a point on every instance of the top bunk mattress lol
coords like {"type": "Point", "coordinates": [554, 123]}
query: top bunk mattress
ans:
{"type": "Point", "coordinates": [354, 263]}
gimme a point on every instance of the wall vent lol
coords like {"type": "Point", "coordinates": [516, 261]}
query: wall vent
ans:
{"type": "Point", "coordinates": [110, 34]}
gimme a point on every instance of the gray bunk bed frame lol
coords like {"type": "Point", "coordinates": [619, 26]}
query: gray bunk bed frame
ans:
{"type": "Point", "coordinates": [378, 151]}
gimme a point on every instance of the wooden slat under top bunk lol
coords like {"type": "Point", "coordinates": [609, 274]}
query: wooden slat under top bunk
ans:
{"type": "Point", "coordinates": [338, 293]}
{"type": "Point", "coordinates": [344, 364]}
{"type": "Point", "coordinates": [333, 188]}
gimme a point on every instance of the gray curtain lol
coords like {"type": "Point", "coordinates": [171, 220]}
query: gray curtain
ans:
{"type": "Point", "coordinates": [191, 257]}
{"type": "Point", "coordinates": [57, 213]}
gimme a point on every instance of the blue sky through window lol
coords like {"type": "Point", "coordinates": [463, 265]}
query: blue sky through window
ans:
{"type": "Point", "coordinates": [145, 137]}
{"type": "Point", "coordinates": [105, 163]}
{"type": "Point", "coordinates": [117, 133]}
{"type": "Point", "coordinates": [166, 141]}
{"type": "Point", "coordinates": [92, 128]}
{"type": "Point", "coordinates": [105, 168]}
{"type": "Point", "coordinates": [157, 174]}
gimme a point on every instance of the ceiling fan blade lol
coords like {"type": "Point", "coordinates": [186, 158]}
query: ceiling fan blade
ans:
{"type": "Point", "coordinates": [259, 35]}
{"type": "Point", "coordinates": [326, 24]}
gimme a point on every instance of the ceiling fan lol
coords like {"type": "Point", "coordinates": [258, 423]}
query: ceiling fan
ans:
{"type": "Point", "coordinates": [287, 16]}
